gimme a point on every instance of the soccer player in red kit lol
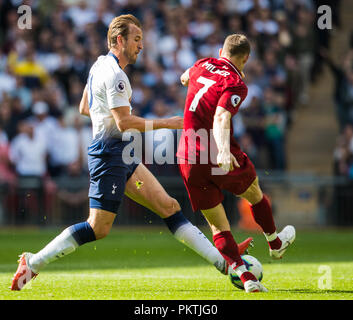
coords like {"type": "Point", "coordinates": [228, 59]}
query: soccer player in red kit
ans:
{"type": "Point", "coordinates": [210, 160]}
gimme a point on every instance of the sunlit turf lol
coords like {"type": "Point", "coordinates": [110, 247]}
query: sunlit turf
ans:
{"type": "Point", "coordinates": [148, 264]}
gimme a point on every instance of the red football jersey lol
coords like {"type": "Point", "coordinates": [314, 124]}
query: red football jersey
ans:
{"type": "Point", "coordinates": [212, 82]}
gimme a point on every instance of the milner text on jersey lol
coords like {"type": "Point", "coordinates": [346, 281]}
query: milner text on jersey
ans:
{"type": "Point", "coordinates": [213, 69]}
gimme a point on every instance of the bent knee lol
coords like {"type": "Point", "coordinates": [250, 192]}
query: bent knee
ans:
{"type": "Point", "coordinates": [254, 193]}
{"type": "Point", "coordinates": [100, 230]}
{"type": "Point", "coordinates": [101, 233]}
{"type": "Point", "coordinates": [168, 207]}
{"type": "Point", "coordinates": [101, 222]}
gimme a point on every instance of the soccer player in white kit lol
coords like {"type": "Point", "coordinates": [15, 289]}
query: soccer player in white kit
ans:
{"type": "Point", "coordinates": [106, 99]}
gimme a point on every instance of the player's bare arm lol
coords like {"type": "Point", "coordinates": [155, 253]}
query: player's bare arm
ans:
{"type": "Point", "coordinates": [125, 121]}
{"type": "Point", "coordinates": [184, 78]}
{"type": "Point", "coordinates": [221, 133]}
{"type": "Point", "coordinates": [84, 108]}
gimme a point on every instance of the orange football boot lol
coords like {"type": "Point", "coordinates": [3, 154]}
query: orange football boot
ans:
{"type": "Point", "coordinates": [23, 274]}
{"type": "Point", "coordinates": [243, 246]}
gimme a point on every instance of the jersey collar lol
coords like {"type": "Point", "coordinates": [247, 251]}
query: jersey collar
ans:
{"type": "Point", "coordinates": [233, 66]}
{"type": "Point", "coordinates": [115, 57]}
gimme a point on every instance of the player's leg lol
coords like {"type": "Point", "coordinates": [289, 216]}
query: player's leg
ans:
{"type": "Point", "coordinates": [145, 189]}
{"type": "Point", "coordinates": [222, 225]}
{"type": "Point", "coordinates": [96, 227]}
{"type": "Point", "coordinates": [262, 213]}
{"type": "Point", "coordinates": [225, 243]}
{"type": "Point", "coordinates": [101, 221]}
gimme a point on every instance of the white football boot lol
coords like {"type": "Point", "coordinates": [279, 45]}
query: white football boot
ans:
{"type": "Point", "coordinates": [254, 286]}
{"type": "Point", "coordinates": [287, 236]}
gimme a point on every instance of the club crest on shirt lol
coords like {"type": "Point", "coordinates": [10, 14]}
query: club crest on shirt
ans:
{"type": "Point", "coordinates": [120, 86]}
{"type": "Point", "coordinates": [235, 100]}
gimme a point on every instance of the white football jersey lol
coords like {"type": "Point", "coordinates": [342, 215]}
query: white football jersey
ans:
{"type": "Point", "coordinates": [108, 87]}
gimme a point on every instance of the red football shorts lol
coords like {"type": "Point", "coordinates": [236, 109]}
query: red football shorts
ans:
{"type": "Point", "coordinates": [205, 189]}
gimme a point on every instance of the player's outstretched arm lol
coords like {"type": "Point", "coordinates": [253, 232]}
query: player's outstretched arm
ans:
{"type": "Point", "coordinates": [221, 133]}
{"type": "Point", "coordinates": [184, 78]}
{"type": "Point", "coordinates": [126, 121]}
{"type": "Point", "coordinates": [84, 108]}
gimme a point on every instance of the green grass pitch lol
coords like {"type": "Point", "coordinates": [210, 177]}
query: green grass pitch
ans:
{"type": "Point", "coordinates": [149, 264]}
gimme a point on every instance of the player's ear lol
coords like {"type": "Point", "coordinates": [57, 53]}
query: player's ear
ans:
{"type": "Point", "coordinates": [119, 40]}
{"type": "Point", "coordinates": [220, 52]}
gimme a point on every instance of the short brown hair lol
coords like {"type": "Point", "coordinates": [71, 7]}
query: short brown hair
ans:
{"type": "Point", "coordinates": [120, 26]}
{"type": "Point", "coordinates": [236, 45]}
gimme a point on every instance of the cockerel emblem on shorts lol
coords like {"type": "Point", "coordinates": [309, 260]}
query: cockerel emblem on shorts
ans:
{"type": "Point", "coordinates": [114, 187]}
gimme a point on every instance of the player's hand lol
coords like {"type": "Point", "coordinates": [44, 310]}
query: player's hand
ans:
{"type": "Point", "coordinates": [184, 82]}
{"type": "Point", "coordinates": [184, 78]}
{"type": "Point", "coordinates": [226, 161]}
{"type": "Point", "coordinates": [176, 122]}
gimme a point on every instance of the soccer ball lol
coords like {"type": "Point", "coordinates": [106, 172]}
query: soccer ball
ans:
{"type": "Point", "coordinates": [253, 265]}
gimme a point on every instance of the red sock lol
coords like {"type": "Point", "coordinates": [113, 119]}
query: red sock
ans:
{"type": "Point", "coordinates": [247, 276]}
{"type": "Point", "coordinates": [262, 213]}
{"type": "Point", "coordinates": [275, 244]}
{"type": "Point", "coordinates": [228, 248]}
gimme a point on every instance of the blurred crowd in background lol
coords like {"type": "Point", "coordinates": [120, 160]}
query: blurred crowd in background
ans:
{"type": "Point", "coordinates": [43, 72]}
{"type": "Point", "coordinates": [343, 103]}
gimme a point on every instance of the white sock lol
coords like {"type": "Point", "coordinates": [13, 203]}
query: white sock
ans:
{"type": "Point", "coordinates": [193, 238]}
{"type": "Point", "coordinates": [61, 246]}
